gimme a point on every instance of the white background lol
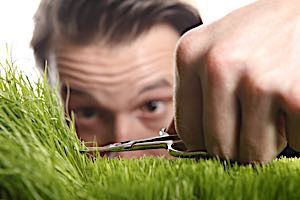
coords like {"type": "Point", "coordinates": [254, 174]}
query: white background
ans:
{"type": "Point", "coordinates": [16, 26]}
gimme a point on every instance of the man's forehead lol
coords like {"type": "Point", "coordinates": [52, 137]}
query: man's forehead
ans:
{"type": "Point", "coordinates": [103, 57]}
{"type": "Point", "coordinates": [158, 84]}
{"type": "Point", "coordinates": [110, 72]}
{"type": "Point", "coordinates": [143, 56]}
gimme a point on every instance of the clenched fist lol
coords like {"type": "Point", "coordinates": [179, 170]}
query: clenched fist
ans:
{"type": "Point", "coordinates": [238, 83]}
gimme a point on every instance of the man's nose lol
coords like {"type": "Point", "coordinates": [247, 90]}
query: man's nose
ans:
{"type": "Point", "coordinates": [123, 127]}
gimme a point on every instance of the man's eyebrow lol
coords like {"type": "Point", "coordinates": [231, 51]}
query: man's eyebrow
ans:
{"type": "Point", "coordinates": [158, 84]}
{"type": "Point", "coordinates": [73, 91]}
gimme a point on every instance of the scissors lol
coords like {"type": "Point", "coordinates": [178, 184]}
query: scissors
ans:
{"type": "Point", "coordinates": [167, 141]}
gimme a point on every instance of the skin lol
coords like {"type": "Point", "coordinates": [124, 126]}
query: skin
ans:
{"type": "Point", "coordinates": [237, 83]}
{"type": "Point", "coordinates": [121, 92]}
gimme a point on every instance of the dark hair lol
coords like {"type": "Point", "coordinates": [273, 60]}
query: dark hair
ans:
{"type": "Point", "coordinates": [113, 21]}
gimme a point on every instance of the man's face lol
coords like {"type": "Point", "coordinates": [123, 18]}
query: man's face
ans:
{"type": "Point", "coordinates": [121, 92]}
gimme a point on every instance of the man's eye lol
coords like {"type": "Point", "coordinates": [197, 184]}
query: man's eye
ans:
{"type": "Point", "coordinates": [85, 112]}
{"type": "Point", "coordinates": [152, 106]}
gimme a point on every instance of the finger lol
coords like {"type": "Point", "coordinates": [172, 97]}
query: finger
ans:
{"type": "Point", "coordinates": [290, 102]}
{"type": "Point", "coordinates": [188, 97]}
{"type": "Point", "coordinates": [293, 130]}
{"type": "Point", "coordinates": [188, 110]}
{"type": "Point", "coordinates": [221, 113]}
{"type": "Point", "coordinates": [259, 140]}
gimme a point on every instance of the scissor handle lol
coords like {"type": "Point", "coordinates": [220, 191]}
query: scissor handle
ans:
{"type": "Point", "coordinates": [182, 153]}
{"type": "Point", "coordinates": [186, 154]}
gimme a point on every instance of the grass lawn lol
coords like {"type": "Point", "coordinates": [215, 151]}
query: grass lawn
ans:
{"type": "Point", "coordinates": [39, 159]}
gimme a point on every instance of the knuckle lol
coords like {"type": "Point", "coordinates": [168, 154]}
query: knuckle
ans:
{"type": "Point", "coordinates": [291, 99]}
{"type": "Point", "coordinates": [185, 50]}
{"type": "Point", "coordinates": [256, 86]}
{"type": "Point", "coordinates": [222, 63]}
{"type": "Point", "coordinates": [190, 48]}
{"type": "Point", "coordinates": [223, 54]}
{"type": "Point", "coordinates": [218, 57]}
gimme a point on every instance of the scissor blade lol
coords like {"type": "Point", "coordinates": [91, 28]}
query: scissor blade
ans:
{"type": "Point", "coordinates": [115, 147]}
{"type": "Point", "coordinates": [158, 142]}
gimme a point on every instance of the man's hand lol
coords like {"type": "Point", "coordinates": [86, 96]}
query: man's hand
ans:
{"type": "Point", "coordinates": [238, 83]}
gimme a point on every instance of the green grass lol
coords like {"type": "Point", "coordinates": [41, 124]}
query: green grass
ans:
{"type": "Point", "coordinates": [39, 159]}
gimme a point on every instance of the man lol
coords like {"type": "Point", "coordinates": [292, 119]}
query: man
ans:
{"type": "Point", "coordinates": [238, 83]}
{"type": "Point", "coordinates": [114, 60]}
